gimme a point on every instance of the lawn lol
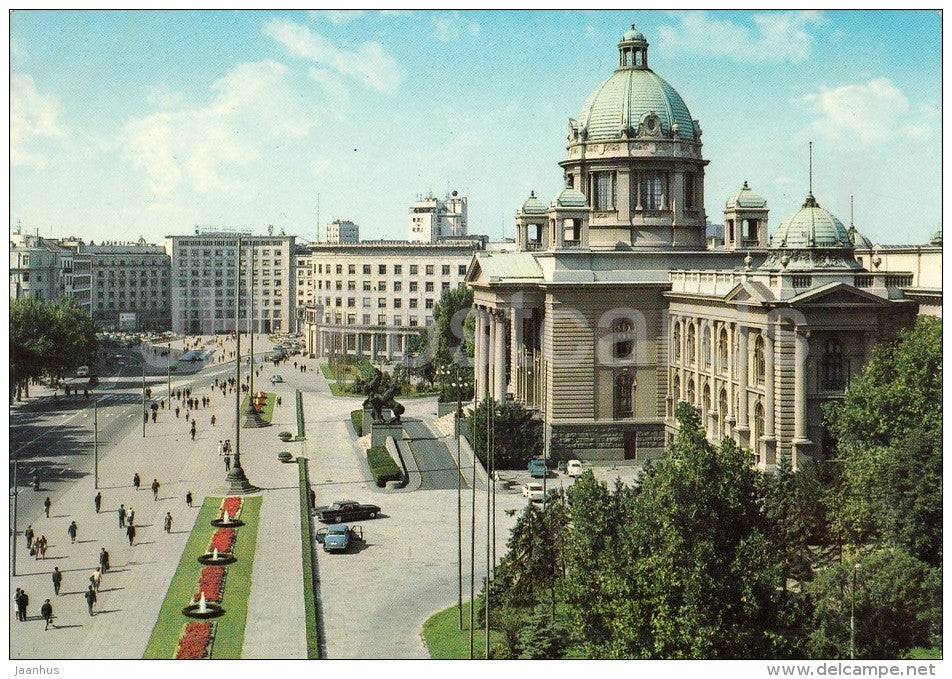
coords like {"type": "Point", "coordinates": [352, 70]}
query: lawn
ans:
{"type": "Point", "coordinates": [347, 371]}
{"type": "Point", "coordinates": [267, 411]}
{"type": "Point", "coordinates": [230, 634]}
{"type": "Point", "coordinates": [446, 641]}
{"type": "Point", "coordinates": [339, 390]}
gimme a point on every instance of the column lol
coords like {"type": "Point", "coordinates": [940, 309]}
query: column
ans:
{"type": "Point", "coordinates": [499, 355]}
{"type": "Point", "coordinates": [800, 387]}
{"type": "Point", "coordinates": [491, 354]}
{"type": "Point", "coordinates": [743, 359]}
{"type": "Point", "coordinates": [479, 357]}
{"type": "Point", "coordinates": [769, 383]}
{"type": "Point", "coordinates": [515, 341]}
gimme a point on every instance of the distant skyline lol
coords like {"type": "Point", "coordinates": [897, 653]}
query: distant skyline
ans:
{"type": "Point", "coordinates": [127, 124]}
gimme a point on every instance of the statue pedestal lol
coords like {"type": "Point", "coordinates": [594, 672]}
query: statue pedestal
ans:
{"type": "Point", "coordinates": [368, 420]}
{"type": "Point", "coordinates": [379, 432]}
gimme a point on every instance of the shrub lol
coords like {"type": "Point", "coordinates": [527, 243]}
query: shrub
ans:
{"type": "Point", "coordinates": [357, 420]}
{"type": "Point", "coordinates": [382, 466]}
{"type": "Point", "coordinates": [284, 456]}
{"type": "Point", "coordinates": [285, 436]}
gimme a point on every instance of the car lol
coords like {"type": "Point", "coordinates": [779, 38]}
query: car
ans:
{"type": "Point", "coordinates": [537, 468]}
{"type": "Point", "coordinates": [339, 537]}
{"type": "Point", "coordinates": [573, 468]}
{"type": "Point", "coordinates": [346, 510]}
{"type": "Point", "coordinates": [82, 371]}
{"type": "Point", "coordinates": [533, 491]}
{"type": "Point", "coordinates": [276, 378]}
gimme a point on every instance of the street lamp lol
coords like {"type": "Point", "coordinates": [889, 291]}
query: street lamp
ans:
{"type": "Point", "coordinates": [856, 568]}
{"type": "Point", "coordinates": [168, 369]}
{"type": "Point", "coordinates": [458, 384]}
{"type": "Point", "coordinates": [145, 414]}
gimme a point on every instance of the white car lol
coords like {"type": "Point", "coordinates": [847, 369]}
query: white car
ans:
{"type": "Point", "coordinates": [573, 468]}
{"type": "Point", "coordinates": [82, 371]}
{"type": "Point", "coordinates": [533, 491]}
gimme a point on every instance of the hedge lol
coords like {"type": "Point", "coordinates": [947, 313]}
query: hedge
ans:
{"type": "Point", "coordinates": [382, 466]}
{"type": "Point", "coordinates": [299, 402]}
{"type": "Point", "coordinates": [357, 420]}
{"type": "Point", "coordinates": [307, 562]}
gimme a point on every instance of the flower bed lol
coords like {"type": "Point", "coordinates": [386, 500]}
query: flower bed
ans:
{"type": "Point", "coordinates": [223, 539]}
{"type": "Point", "coordinates": [232, 505]}
{"type": "Point", "coordinates": [212, 582]}
{"type": "Point", "coordinates": [196, 641]}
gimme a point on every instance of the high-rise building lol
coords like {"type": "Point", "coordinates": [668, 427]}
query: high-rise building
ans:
{"type": "Point", "coordinates": [131, 286]}
{"type": "Point", "coordinates": [342, 231]}
{"type": "Point", "coordinates": [432, 219]}
{"type": "Point", "coordinates": [204, 280]}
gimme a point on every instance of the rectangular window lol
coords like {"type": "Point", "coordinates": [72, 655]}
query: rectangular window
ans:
{"type": "Point", "coordinates": [366, 319]}
{"type": "Point", "coordinates": [429, 286]}
{"type": "Point", "coordinates": [382, 269]}
{"type": "Point", "coordinates": [397, 269]}
{"type": "Point", "coordinates": [461, 270]}
{"type": "Point", "coordinates": [351, 302]}
{"type": "Point", "coordinates": [689, 199]}
{"type": "Point", "coordinates": [446, 270]}
{"type": "Point", "coordinates": [397, 286]}
{"type": "Point", "coordinates": [429, 269]}
{"type": "Point", "coordinates": [413, 322]}
{"type": "Point", "coordinates": [397, 303]}
{"type": "Point", "coordinates": [351, 268]}
{"type": "Point", "coordinates": [603, 190]}
{"type": "Point", "coordinates": [429, 303]}
{"type": "Point", "coordinates": [366, 286]}
{"type": "Point", "coordinates": [381, 287]}
{"type": "Point", "coordinates": [398, 320]}
{"type": "Point", "coordinates": [381, 319]}
{"type": "Point", "coordinates": [366, 302]}
{"type": "Point", "coordinates": [413, 269]}
{"type": "Point", "coordinates": [381, 302]}
{"type": "Point", "coordinates": [339, 269]}
{"type": "Point", "coordinates": [351, 285]}
{"type": "Point", "coordinates": [413, 286]}
{"type": "Point", "coordinates": [446, 285]}
{"type": "Point", "coordinates": [413, 303]}
{"type": "Point", "coordinates": [650, 190]}
{"type": "Point", "coordinates": [367, 269]}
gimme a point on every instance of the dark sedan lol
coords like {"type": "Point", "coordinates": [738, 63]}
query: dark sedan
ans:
{"type": "Point", "coordinates": [346, 510]}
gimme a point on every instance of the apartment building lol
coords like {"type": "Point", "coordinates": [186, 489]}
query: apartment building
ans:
{"type": "Point", "coordinates": [131, 286]}
{"type": "Point", "coordinates": [203, 281]}
{"type": "Point", "coordinates": [304, 278]}
{"type": "Point", "coordinates": [432, 219]}
{"type": "Point", "coordinates": [49, 270]}
{"type": "Point", "coordinates": [370, 297]}
{"type": "Point", "coordinates": [342, 231]}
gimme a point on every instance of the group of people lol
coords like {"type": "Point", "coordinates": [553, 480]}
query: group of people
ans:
{"type": "Point", "coordinates": [35, 545]}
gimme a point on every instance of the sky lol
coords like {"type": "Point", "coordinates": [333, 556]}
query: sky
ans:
{"type": "Point", "coordinates": [126, 124]}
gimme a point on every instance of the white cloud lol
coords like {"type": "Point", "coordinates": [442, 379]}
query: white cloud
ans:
{"type": "Point", "coordinates": [162, 96]}
{"type": "Point", "coordinates": [33, 116]}
{"type": "Point", "coordinates": [591, 31]}
{"type": "Point", "coordinates": [775, 36]}
{"type": "Point", "coordinates": [871, 112]}
{"type": "Point", "coordinates": [252, 104]}
{"type": "Point", "coordinates": [340, 16]}
{"type": "Point", "coordinates": [369, 62]}
{"type": "Point", "coordinates": [452, 26]}
{"type": "Point", "coordinates": [337, 96]}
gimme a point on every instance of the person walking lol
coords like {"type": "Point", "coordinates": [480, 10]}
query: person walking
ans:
{"type": "Point", "coordinates": [90, 597]}
{"type": "Point", "coordinates": [47, 503]}
{"type": "Point", "coordinates": [103, 560]}
{"type": "Point", "coordinates": [213, 420]}
{"type": "Point", "coordinates": [131, 533]}
{"type": "Point", "coordinates": [176, 412]}
{"type": "Point", "coordinates": [193, 430]}
{"type": "Point", "coordinates": [46, 610]}
{"type": "Point", "coordinates": [168, 522]}
{"type": "Point", "coordinates": [95, 579]}
{"type": "Point", "coordinates": [131, 517]}
{"type": "Point", "coordinates": [227, 462]}
{"type": "Point", "coordinates": [22, 602]}
{"type": "Point", "coordinates": [221, 447]}
{"type": "Point", "coordinates": [154, 416]}
{"type": "Point", "coordinates": [97, 501]}
{"type": "Point", "coordinates": [41, 545]}
{"type": "Point", "coordinates": [71, 532]}
{"type": "Point", "coordinates": [188, 499]}
{"type": "Point", "coordinates": [155, 489]}
{"type": "Point", "coordinates": [57, 576]}
{"type": "Point", "coordinates": [122, 516]}
{"type": "Point", "coordinates": [28, 534]}
{"type": "Point", "coordinates": [135, 481]}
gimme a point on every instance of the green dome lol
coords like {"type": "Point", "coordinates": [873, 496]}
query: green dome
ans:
{"type": "Point", "coordinates": [811, 227]}
{"type": "Point", "coordinates": [632, 35]}
{"type": "Point", "coordinates": [746, 198]}
{"type": "Point", "coordinates": [533, 206]}
{"type": "Point", "coordinates": [569, 197]}
{"type": "Point", "coordinates": [857, 239]}
{"type": "Point", "coordinates": [626, 98]}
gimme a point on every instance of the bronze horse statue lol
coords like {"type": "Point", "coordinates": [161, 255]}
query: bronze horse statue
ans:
{"type": "Point", "coordinates": [377, 401]}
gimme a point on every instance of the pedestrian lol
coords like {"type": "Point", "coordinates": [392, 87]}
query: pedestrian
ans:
{"type": "Point", "coordinates": [71, 532]}
{"type": "Point", "coordinates": [176, 412]}
{"type": "Point", "coordinates": [16, 601]}
{"type": "Point", "coordinates": [145, 416]}
{"type": "Point", "coordinates": [90, 596]}
{"type": "Point", "coordinates": [154, 416]}
{"type": "Point", "coordinates": [155, 489]}
{"type": "Point", "coordinates": [313, 498]}
{"type": "Point", "coordinates": [193, 430]}
{"type": "Point", "coordinates": [47, 503]}
{"type": "Point", "coordinates": [46, 610]}
{"type": "Point", "coordinates": [22, 602]}
{"type": "Point", "coordinates": [221, 447]}
{"type": "Point", "coordinates": [168, 522]}
{"type": "Point", "coordinates": [135, 481]}
{"type": "Point", "coordinates": [122, 516]}
{"type": "Point", "coordinates": [57, 580]}
{"type": "Point", "coordinates": [95, 579]}
{"type": "Point", "coordinates": [186, 415]}
{"type": "Point", "coordinates": [131, 533]}
{"type": "Point", "coordinates": [227, 462]}
{"type": "Point", "coordinates": [41, 546]}
{"type": "Point", "coordinates": [213, 420]}
{"type": "Point", "coordinates": [131, 517]}
{"type": "Point", "coordinates": [29, 535]}
{"type": "Point", "coordinates": [188, 499]}
{"type": "Point", "coordinates": [103, 560]}
{"type": "Point", "coordinates": [98, 501]}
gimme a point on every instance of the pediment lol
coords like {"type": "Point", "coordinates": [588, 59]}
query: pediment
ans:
{"type": "Point", "coordinates": [837, 294]}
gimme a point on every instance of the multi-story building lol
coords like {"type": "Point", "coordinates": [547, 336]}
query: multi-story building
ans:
{"type": "Point", "coordinates": [204, 280]}
{"type": "Point", "coordinates": [432, 219]}
{"type": "Point", "coordinates": [131, 287]}
{"type": "Point", "coordinates": [371, 296]}
{"type": "Point", "coordinates": [611, 309]}
{"type": "Point", "coordinates": [916, 269]}
{"type": "Point", "coordinates": [36, 268]}
{"type": "Point", "coordinates": [76, 274]}
{"type": "Point", "coordinates": [342, 231]}
{"type": "Point", "coordinates": [304, 281]}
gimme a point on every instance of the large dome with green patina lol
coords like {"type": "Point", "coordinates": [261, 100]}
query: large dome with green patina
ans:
{"type": "Point", "coordinates": [635, 100]}
{"type": "Point", "coordinates": [811, 227]}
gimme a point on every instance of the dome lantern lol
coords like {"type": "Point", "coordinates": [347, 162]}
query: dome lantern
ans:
{"type": "Point", "coordinates": [633, 49]}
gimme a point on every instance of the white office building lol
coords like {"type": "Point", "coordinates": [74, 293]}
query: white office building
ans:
{"type": "Point", "coordinates": [432, 219]}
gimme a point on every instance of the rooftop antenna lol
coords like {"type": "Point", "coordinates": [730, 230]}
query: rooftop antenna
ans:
{"type": "Point", "coordinates": [851, 210]}
{"type": "Point", "coordinates": [811, 169]}
{"type": "Point", "coordinates": [318, 217]}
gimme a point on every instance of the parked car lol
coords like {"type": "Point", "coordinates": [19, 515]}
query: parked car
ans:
{"type": "Point", "coordinates": [82, 371]}
{"type": "Point", "coordinates": [346, 510]}
{"type": "Point", "coordinates": [276, 378]}
{"type": "Point", "coordinates": [573, 468]}
{"type": "Point", "coordinates": [339, 537]}
{"type": "Point", "coordinates": [537, 468]}
{"type": "Point", "coordinates": [533, 491]}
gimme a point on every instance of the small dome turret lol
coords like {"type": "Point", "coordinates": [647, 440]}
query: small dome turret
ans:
{"type": "Point", "coordinates": [746, 198]}
{"type": "Point", "coordinates": [533, 206]}
{"type": "Point", "coordinates": [569, 197]}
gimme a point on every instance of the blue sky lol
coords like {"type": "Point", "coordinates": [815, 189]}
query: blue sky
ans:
{"type": "Point", "coordinates": [147, 123]}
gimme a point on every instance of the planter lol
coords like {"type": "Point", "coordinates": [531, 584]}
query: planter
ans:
{"type": "Point", "coordinates": [285, 436]}
{"type": "Point", "coordinates": [285, 456]}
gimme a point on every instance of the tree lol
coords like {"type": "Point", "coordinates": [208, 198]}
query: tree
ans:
{"type": "Point", "coordinates": [889, 437]}
{"type": "Point", "coordinates": [449, 318]}
{"type": "Point", "coordinates": [898, 602]}
{"type": "Point", "coordinates": [541, 638]}
{"type": "Point", "coordinates": [517, 435]}
{"type": "Point", "coordinates": [785, 506]}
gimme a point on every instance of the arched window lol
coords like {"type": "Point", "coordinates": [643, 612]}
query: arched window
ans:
{"type": "Point", "coordinates": [623, 338]}
{"type": "Point", "coordinates": [760, 366]}
{"type": "Point", "coordinates": [692, 395]}
{"type": "Point", "coordinates": [758, 430]}
{"type": "Point", "coordinates": [676, 392]}
{"type": "Point", "coordinates": [676, 340]}
{"type": "Point", "coordinates": [834, 375]}
{"type": "Point", "coordinates": [692, 343]}
{"type": "Point", "coordinates": [722, 412]}
{"type": "Point", "coordinates": [706, 347]}
{"type": "Point", "coordinates": [722, 351]}
{"type": "Point", "coordinates": [623, 388]}
{"type": "Point", "coordinates": [706, 406]}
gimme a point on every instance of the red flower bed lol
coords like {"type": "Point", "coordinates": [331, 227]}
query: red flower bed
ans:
{"type": "Point", "coordinates": [223, 539]}
{"type": "Point", "coordinates": [212, 582]}
{"type": "Point", "coordinates": [195, 641]}
{"type": "Point", "coordinates": [232, 505]}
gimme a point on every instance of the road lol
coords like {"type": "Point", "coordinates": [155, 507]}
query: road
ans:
{"type": "Point", "coordinates": [437, 467]}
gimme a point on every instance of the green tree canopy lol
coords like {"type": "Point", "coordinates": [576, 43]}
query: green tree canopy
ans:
{"type": "Point", "coordinates": [449, 318]}
{"type": "Point", "coordinates": [517, 434]}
